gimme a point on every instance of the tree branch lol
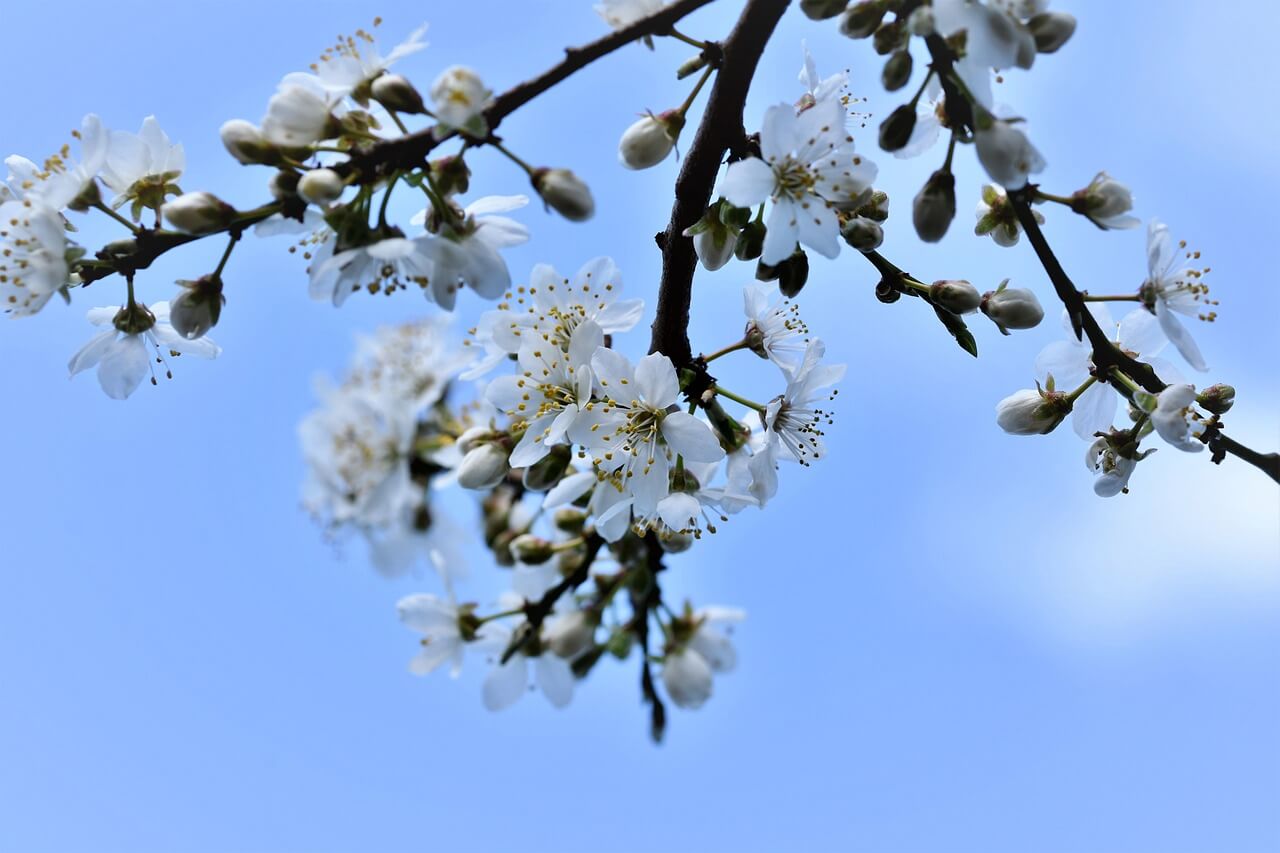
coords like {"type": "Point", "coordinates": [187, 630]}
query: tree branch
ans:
{"type": "Point", "coordinates": [409, 152]}
{"type": "Point", "coordinates": [719, 130]}
{"type": "Point", "coordinates": [536, 612]}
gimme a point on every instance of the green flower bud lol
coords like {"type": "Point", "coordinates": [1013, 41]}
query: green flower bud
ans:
{"type": "Point", "coordinates": [897, 71]}
{"type": "Point", "coordinates": [895, 131]}
{"type": "Point", "coordinates": [861, 19]}
{"type": "Point", "coordinates": [935, 206]}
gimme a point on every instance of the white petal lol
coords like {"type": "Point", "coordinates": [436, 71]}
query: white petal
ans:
{"type": "Point", "coordinates": [506, 683]}
{"type": "Point", "coordinates": [91, 353]}
{"type": "Point", "coordinates": [782, 232]}
{"type": "Point", "coordinates": [748, 182]}
{"type": "Point", "coordinates": [656, 379]}
{"type": "Point", "coordinates": [1094, 411]}
{"type": "Point", "coordinates": [555, 678]}
{"type": "Point", "coordinates": [691, 438]}
{"type": "Point", "coordinates": [124, 362]}
{"type": "Point", "coordinates": [1180, 337]}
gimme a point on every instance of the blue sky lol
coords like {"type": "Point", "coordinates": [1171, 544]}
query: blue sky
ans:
{"type": "Point", "coordinates": [952, 644]}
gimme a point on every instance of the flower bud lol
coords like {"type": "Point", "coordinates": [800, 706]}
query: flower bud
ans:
{"type": "Point", "coordinates": [1006, 154]}
{"type": "Point", "coordinates": [1217, 399]}
{"type": "Point", "coordinates": [564, 192]}
{"type": "Point", "coordinates": [197, 308]}
{"type": "Point", "coordinates": [397, 94]}
{"type": "Point", "coordinates": [692, 65]}
{"type": "Point", "coordinates": [1051, 30]}
{"type": "Point", "coordinates": [283, 185]}
{"type": "Point", "coordinates": [895, 131]}
{"type": "Point", "coordinates": [791, 273]}
{"type": "Point", "coordinates": [1106, 202]}
{"type": "Point", "coordinates": [956, 295]}
{"type": "Point", "coordinates": [675, 543]}
{"type": "Point", "coordinates": [875, 208]}
{"type": "Point", "coordinates": [921, 21]}
{"type": "Point", "coordinates": [460, 98]}
{"type": "Point", "coordinates": [483, 467]}
{"type": "Point", "coordinates": [897, 71]}
{"type": "Point", "coordinates": [245, 142]}
{"type": "Point", "coordinates": [862, 19]}
{"type": "Point", "coordinates": [321, 186]}
{"type": "Point", "coordinates": [935, 206]}
{"type": "Point", "coordinates": [861, 233]}
{"type": "Point", "coordinates": [570, 520]}
{"type": "Point", "coordinates": [687, 677]}
{"type": "Point", "coordinates": [297, 116]}
{"type": "Point", "coordinates": [548, 470]}
{"type": "Point", "coordinates": [1032, 412]}
{"type": "Point", "coordinates": [820, 10]}
{"type": "Point", "coordinates": [1012, 307]}
{"type": "Point", "coordinates": [648, 142]}
{"type": "Point", "coordinates": [571, 634]}
{"type": "Point", "coordinates": [750, 241]}
{"type": "Point", "coordinates": [530, 549]}
{"type": "Point", "coordinates": [198, 213]}
{"type": "Point", "coordinates": [501, 548]}
{"type": "Point", "coordinates": [891, 36]}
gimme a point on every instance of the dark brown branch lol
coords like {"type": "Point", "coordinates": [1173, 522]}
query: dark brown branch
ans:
{"type": "Point", "coordinates": [536, 612]}
{"type": "Point", "coordinates": [409, 152]}
{"type": "Point", "coordinates": [719, 131]}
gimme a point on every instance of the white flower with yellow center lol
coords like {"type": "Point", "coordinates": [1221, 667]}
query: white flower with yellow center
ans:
{"type": "Point", "coordinates": [143, 167]}
{"type": "Point", "coordinates": [33, 263]}
{"type": "Point", "coordinates": [809, 169]}
{"type": "Point", "coordinates": [123, 353]}
{"type": "Point", "coordinates": [351, 65]}
{"type": "Point", "coordinates": [792, 420]}
{"type": "Point", "coordinates": [1174, 287]}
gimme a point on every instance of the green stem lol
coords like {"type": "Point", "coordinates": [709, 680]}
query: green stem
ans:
{"type": "Point", "coordinates": [1041, 194]}
{"type": "Point", "coordinates": [1125, 380]}
{"type": "Point", "coordinates": [512, 157]}
{"type": "Point", "coordinates": [920, 92]}
{"type": "Point", "coordinates": [697, 87]}
{"type": "Point", "coordinates": [742, 344]}
{"type": "Point", "coordinates": [951, 150]}
{"type": "Point", "coordinates": [504, 614]}
{"type": "Point", "coordinates": [386, 198]}
{"type": "Point", "coordinates": [1075, 395]}
{"type": "Point", "coordinates": [1129, 297]}
{"type": "Point", "coordinates": [750, 404]}
{"type": "Point", "coordinates": [689, 40]}
{"type": "Point", "coordinates": [117, 217]}
{"type": "Point", "coordinates": [226, 253]}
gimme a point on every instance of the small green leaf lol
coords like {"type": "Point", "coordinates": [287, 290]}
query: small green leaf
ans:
{"type": "Point", "coordinates": [958, 330]}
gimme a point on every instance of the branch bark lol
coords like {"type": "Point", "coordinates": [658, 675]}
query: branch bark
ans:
{"type": "Point", "coordinates": [720, 129]}
{"type": "Point", "coordinates": [408, 152]}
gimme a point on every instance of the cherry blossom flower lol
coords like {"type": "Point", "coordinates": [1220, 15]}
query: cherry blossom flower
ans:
{"type": "Point", "coordinates": [1172, 289]}
{"type": "Point", "coordinates": [350, 66]}
{"type": "Point", "coordinates": [507, 682]}
{"type": "Point", "coordinates": [467, 252]}
{"type": "Point", "coordinates": [460, 100]}
{"type": "Point", "coordinates": [62, 182]}
{"type": "Point", "coordinates": [688, 669]}
{"type": "Point", "coordinates": [1111, 469]}
{"type": "Point", "coordinates": [143, 167]}
{"type": "Point", "coordinates": [33, 263]}
{"type": "Point", "coordinates": [1107, 202]}
{"type": "Point", "coordinates": [386, 265]}
{"type": "Point", "coordinates": [620, 14]}
{"type": "Point", "coordinates": [793, 421]}
{"type": "Point", "coordinates": [121, 352]}
{"type": "Point", "coordinates": [1176, 419]}
{"type": "Point", "coordinates": [774, 328]}
{"type": "Point", "coordinates": [631, 436]}
{"type": "Point", "coordinates": [1006, 153]}
{"type": "Point", "coordinates": [1070, 362]}
{"type": "Point", "coordinates": [809, 168]}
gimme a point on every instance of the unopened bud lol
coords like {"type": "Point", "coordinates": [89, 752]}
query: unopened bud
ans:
{"type": "Point", "coordinates": [321, 186]}
{"type": "Point", "coordinates": [750, 241]}
{"type": "Point", "coordinates": [921, 22]}
{"type": "Point", "coordinates": [565, 193]}
{"type": "Point", "coordinates": [875, 208]}
{"type": "Point", "coordinates": [1217, 399]}
{"type": "Point", "coordinates": [820, 10]}
{"type": "Point", "coordinates": [570, 520]}
{"type": "Point", "coordinates": [548, 470]}
{"type": "Point", "coordinates": [397, 94]}
{"type": "Point", "coordinates": [1051, 30]}
{"type": "Point", "coordinates": [534, 550]}
{"type": "Point", "coordinates": [895, 131]}
{"type": "Point", "coordinates": [861, 233]}
{"type": "Point", "coordinates": [692, 65]}
{"type": "Point", "coordinates": [861, 19]}
{"type": "Point", "coordinates": [648, 141]}
{"type": "Point", "coordinates": [483, 467]}
{"type": "Point", "coordinates": [1032, 412]}
{"type": "Point", "coordinates": [283, 185]}
{"type": "Point", "coordinates": [1012, 307]}
{"type": "Point", "coordinates": [451, 174]}
{"type": "Point", "coordinates": [245, 142]}
{"type": "Point", "coordinates": [197, 308]}
{"type": "Point", "coordinates": [198, 213]}
{"type": "Point", "coordinates": [935, 206]}
{"type": "Point", "coordinates": [571, 634]}
{"type": "Point", "coordinates": [793, 273]}
{"type": "Point", "coordinates": [891, 36]}
{"type": "Point", "coordinates": [897, 71]}
{"type": "Point", "coordinates": [956, 295]}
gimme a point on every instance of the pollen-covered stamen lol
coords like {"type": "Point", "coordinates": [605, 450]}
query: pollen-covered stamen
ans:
{"type": "Point", "coordinates": [800, 429]}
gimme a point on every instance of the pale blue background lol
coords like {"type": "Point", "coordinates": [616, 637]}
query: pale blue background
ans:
{"type": "Point", "coordinates": [952, 646]}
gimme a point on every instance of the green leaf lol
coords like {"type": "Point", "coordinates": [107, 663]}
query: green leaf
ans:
{"type": "Point", "coordinates": [958, 330]}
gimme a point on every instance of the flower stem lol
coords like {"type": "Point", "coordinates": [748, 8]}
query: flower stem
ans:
{"type": "Point", "coordinates": [697, 87]}
{"type": "Point", "coordinates": [1041, 194]}
{"type": "Point", "coordinates": [117, 217]}
{"type": "Point", "coordinates": [1123, 297]}
{"type": "Point", "coordinates": [226, 254]}
{"type": "Point", "coordinates": [1124, 379]}
{"type": "Point", "coordinates": [512, 157]}
{"type": "Point", "coordinates": [735, 398]}
{"type": "Point", "coordinates": [742, 344]}
{"type": "Point", "coordinates": [386, 198]}
{"type": "Point", "coordinates": [689, 40]}
{"type": "Point", "coordinates": [1075, 395]}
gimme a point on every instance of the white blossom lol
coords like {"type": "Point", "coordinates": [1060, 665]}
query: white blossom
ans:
{"type": "Point", "coordinates": [809, 168]}
{"type": "Point", "coordinates": [460, 99]}
{"type": "Point", "coordinates": [620, 14]}
{"type": "Point", "coordinates": [353, 63]}
{"type": "Point", "coordinates": [298, 116]}
{"type": "Point", "coordinates": [387, 265]}
{"type": "Point", "coordinates": [507, 682]}
{"type": "Point", "coordinates": [33, 263]}
{"type": "Point", "coordinates": [1107, 203]}
{"type": "Point", "coordinates": [792, 419]}
{"type": "Point", "coordinates": [1007, 154]}
{"type": "Point", "coordinates": [143, 165]}
{"type": "Point", "coordinates": [124, 351]}
{"type": "Point", "coordinates": [1172, 288]}
{"type": "Point", "coordinates": [1176, 419]}
{"type": "Point", "coordinates": [61, 181]}
{"type": "Point", "coordinates": [687, 671]}
{"type": "Point", "coordinates": [649, 140]}
{"type": "Point", "coordinates": [817, 88]}
{"type": "Point", "coordinates": [1111, 469]}
{"type": "Point", "coordinates": [467, 253]}
{"type": "Point", "coordinates": [774, 328]}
